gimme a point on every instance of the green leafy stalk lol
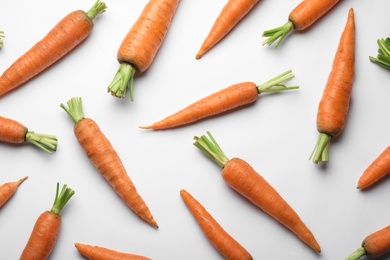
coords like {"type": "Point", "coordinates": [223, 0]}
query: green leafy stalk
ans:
{"type": "Point", "coordinates": [48, 143]}
{"type": "Point", "coordinates": [122, 81]}
{"type": "Point", "coordinates": [97, 9]}
{"type": "Point", "coordinates": [360, 252]}
{"type": "Point", "coordinates": [62, 198]}
{"type": "Point", "coordinates": [1, 38]}
{"type": "Point", "coordinates": [321, 150]}
{"type": "Point", "coordinates": [211, 149]}
{"type": "Point", "coordinates": [277, 33]}
{"type": "Point", "coordinates": [383, 57]}
{"type": "Point", "coordinates": [74, 109]}
{"type": "Point", "coordinates": [276, 84]}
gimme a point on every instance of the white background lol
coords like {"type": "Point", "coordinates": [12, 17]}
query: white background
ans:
{"type": "Point", "coordinates": [276, 135]}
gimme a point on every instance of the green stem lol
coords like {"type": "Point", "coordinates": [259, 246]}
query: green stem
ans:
{"type": "Point", "coordinates": [277, 33]}
{"type": "Point", "coordinates": [357, 254]}
{"type": "Point", "coordinates": [1, 38]}
{"type": "Point", "coordinates": [61, 199]}
{"type": "Point", "coordinates": [74, 109]}
{"type": "Point", "coordinates": [321, 150]}
{"type": "Point", "coordinates": [123, 79]}
{"type": "Point", "coordinates": [48, 143]}
{"type": "Point", "coordinates": [211, 149]}
{"type": "Point", "coordinates": [383, 57]}
{"type": "Point", "coordinates": [97, 9]}
{"type": "Point", "coordinates": [275, 84]}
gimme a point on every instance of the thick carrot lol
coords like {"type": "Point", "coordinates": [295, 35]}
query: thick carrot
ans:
{"type": "Point", "coordinates": [47, 228]}
{"type": "Point", "coordinates": [334, 104]}
{"type": "Point", "coordinates": [103, 156]}
{"type": "Point", "coordinates": [8, 189]}
{"type": "Point", "coordinates": [61, 39]}
{"type": "Point", "coordinates": [383, 57]}
{"type": "Point", "coordinates": [218, 237]}
{"type": "Point", "coordinates": [241, 177]}
{"type": "Point", "coordinates": [141, 44]}
{"type": "Point", "coordinates": [300, 18]}
{"type": "Point", "coordinates": [232, 13]}
{"type": "Point", "coordinates": [14, 132]}
{"type": "Point", "coordinates": [224, 100]}
{"type": "Point", "coordinates": [102, 253]}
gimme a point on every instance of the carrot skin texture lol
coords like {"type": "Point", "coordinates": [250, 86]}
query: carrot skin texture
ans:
{"type": "Point", "coordinates": [377, 243]}
{"type": "Point", "coordinates": [101, 253]}
{"type": "Point", "coordinates": [220, 239]}
{"type": "Point", "coordinates": [7, 190]}
{"type": "Point", "coordinates": [12, 131]}
{"type": "Point", "coordinates": [379, 168]}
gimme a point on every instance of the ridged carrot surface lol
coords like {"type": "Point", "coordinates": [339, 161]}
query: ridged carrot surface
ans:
{"type": "Point", "coordinates": [102, 253]}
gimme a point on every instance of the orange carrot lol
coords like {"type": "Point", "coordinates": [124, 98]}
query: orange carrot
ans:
{"type": "Point", "coordinates": [141, 44]}
{"type": "Point", "coordinates": [241, 177]}
{"type": "Point", "coordinates": [14, 132]}
{"type": "Point", "coordinates": [103, 156]}
{"type": "Point", "coordinates": [101, 253]}
{"type": "Point", "coordinates": [61, 39]}
{"type": "Point", "coordinates": [232, 13]}
{"type": "Point", "coordinates": [224, 100]}
{"type": "Point", "coordinates": [8, 189]}
{"type": "Point", "coordinates": [47, 228]}
{"type": "Point", "coordinates": [334, 104]}
{"type": "Point", "coordinates": [300, 18]}
{"type": "Point", "coordinates": [218, 237]}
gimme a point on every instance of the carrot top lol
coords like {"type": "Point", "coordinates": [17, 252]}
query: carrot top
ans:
{"type": "Point", "coordinates": [97, 9]}
{"type": "Point", "coordinates": [383, 57]}
{"type": "Point", "coordinates": [74, 109]}
{"type": "Point", "coordinates": [62, 198]}
{"type": "Point", "coordinates": [46, 142]}
{"type": "Point", "coordinates": [360, 252]}
{"type": "Point", "coordinates": [122, 81]}
{"type": "Point", "coordinates": [1, 38]}
{"type": "Point", "coordinates": [276, 84]}
{"type": "Point", "coordinates": [211, 149]}
{"type": "Point", "coordinates": [277, 33]}
{"type": "Point", "coordinates": [321, 150]}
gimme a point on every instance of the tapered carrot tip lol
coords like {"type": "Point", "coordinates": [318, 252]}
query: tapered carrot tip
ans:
{"type": "Point", "coordinates": [21, 180]}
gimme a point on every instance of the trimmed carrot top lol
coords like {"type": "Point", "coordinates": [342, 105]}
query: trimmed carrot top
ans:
{"type": "Point", "coordinates": [97, 9]}
{"type": "Point", "coordinates": [383, 57]}
{"type": "Point", "coordinates": [74, 109]}
{"type": "Point", "coordinates": [46, 142]}
{"type": "Point", "coordinates": [211, 149]}
{"type": "Point", "coordinates": [62, 198]}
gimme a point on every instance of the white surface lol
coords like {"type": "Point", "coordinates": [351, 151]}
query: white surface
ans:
{"type": "Point", "coordinates": [276, 135]}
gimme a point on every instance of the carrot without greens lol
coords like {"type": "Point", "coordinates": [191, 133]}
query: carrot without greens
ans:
{"type": "Point", "coordinates": [383, 57]}
{"type": "Point", "coordinates": [101, 253]}
{"type": "Point", "coordinates": [232, 13]}
{"type": "Point", "coordinates": [141, 44]}
{"type": "Point", "coordinates": [47, 228]}
{"type": "Point", "coordinates": [8, 189]}
{"type": "Point", "coordinates": [14, 132]}
{"type": "Point", "coordinates": [224, 100]}
{"type": "Point", "coordinates": [241, 177]}
{"type": "Point", "coordinates": [218, 237]}
{"type": "Point", "coordinates": [334, 104]}
{"type": "Point", "coordinates": [106, 160]}
{"type": "Point", "coordinates": [300, 18]}
{"type": "Point", "coordinates": [61, 39]}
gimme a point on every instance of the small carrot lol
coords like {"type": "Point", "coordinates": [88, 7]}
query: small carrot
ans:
{"type": "Point", "coordinates": [334, 104]}
{"type": "Point", "coordinates": [383, 57]}
{"type": "Point", "coordinates": [141, 44]}
{"type": "Point", "coordinates": [103, 156]}
{"type": "Point", "coordinates": [374, 245]}
{"type": "Point", "coordinates": [241, 177]}
{"type": "Point", "coordinates": [14, 132]}
{"type": "Point", "coordinates": [232, 13]}
{"type": "Point", "coordinates": [61, 39]}
{"type": "Point", "coordinates": [224, 100]}
{"type": "Point", "coordinates": [47, 228]}
{"type": "Point", "coordinates": [300, 18]}
{"type": "Point", "coordinates": [102, 253]}
{"type": "Point", "coordinates": [218, 237]}
{"type": "Point", "coordinates": [7, 190]}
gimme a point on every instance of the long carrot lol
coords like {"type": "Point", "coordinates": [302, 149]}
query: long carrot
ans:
{"type": "Point", "coordinates": [103, 156]}
{"type": "Point", "coordinates": [224, 100]}
{"type": "Point", "coordinates": [8, 189]}
{"type": "Point", "coordinates": [61, 39]}
{"type": "Point", "coordinates": [218, 237]}
{"type": "Point", "coordinates": [334, 104]}
{"type": "Point", "coordinates": [374, 245]}
{"type": "Point", "coordinates": [300, 18]}
{"type": "Point", "coordinates": [47, 228]}
{"type": "Point", "coordinates": [102, 253]}
{"type": "Point", "coordinates": [14, 132]}
{"type": "Point", "coordinates": [141, 44]}
{"type": "Point", "coordinates": [241, 177]}
{"type": "Point", "coordinates": [232, 13]}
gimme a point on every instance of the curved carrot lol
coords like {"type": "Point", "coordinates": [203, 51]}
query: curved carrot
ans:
{"type": "Point", "coordinates": [230, 15]}
{"type": "Point", "coordinates": [334, 104]}
{"type": "Point", "coordinates": [62, 38]}
{"type": "Point", "coordinates": [218, 237]}
{"type": "Point", "coordinates": [224, 100]}
{"type": "Point", "coordinates": [300, 18]}
{"type": "Point", "coordinates": [141, 44]}
{"type": "Point", "coordinates": [103, 156]}
{"type": "Point", "coordinates": [241, 177]}
{"type": "Point", "coordinates": [8, 189]}
{"type": "Point", "coordinates": [101, 253]}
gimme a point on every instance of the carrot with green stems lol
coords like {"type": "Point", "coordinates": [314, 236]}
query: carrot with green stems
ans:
{"type": "Point", "coordinates": [232, 97]}
{"type": "Point", "coordinates": [300, 18]}
{"type": "Point", "coordinates": [8, 189]}
{"type": "Point", "coordinates": [102, 253]}
{"type": "Point", "coordinates": [60, 40]}
{"type": "Point", "coordinates": [241, 177]}
{"type": "Point", "coordinates": [232, 13]}
{"type": "Point", "coordinates": [218, 237]}
{"type": "Point", "coordinates": [47, 228]}
{"type": "Point", "coordinates": [12, 131]}
{"type": "Point", "coordinates": [334, 105]}
{"type": "Point", "coordinates": [141, 44]}
{"type": "Point", "coordinates": [103, 156]}
{"type": "Point", "coordinates": [383, 57]}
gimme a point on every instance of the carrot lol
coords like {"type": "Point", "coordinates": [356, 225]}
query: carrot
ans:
{"type": "Point", "coordinates": [383, 57]}
{"type": "Point", "coordinates": [334, 104]}
{"type": "Point", "coordinates": [103, 156]}
{"type": "Point", "coordinates": [14, 132]}
{"type": "Point", "coordinates": [101, 253]}
{"type": "Point", "coordinates": [374, 245]}
{"type": "Point", "coordinates": [61, 39]}
{"type": "Point", "coordinates": [232, 13]}
{"type": "Point", "coordinates": [47, 228]}
{"type": "Point", "coordinates": [300, 18]}
{"type": "Point", "coordinates": [224, 100]}
{"type": "Point", "coordinates": [141, 44]}
{"type": "Point", "coordinates": [241, 177]}
{"type": "Point", "coordinates": [7, 190]}
{"type": "Point", "coordinates": [218, 237]}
